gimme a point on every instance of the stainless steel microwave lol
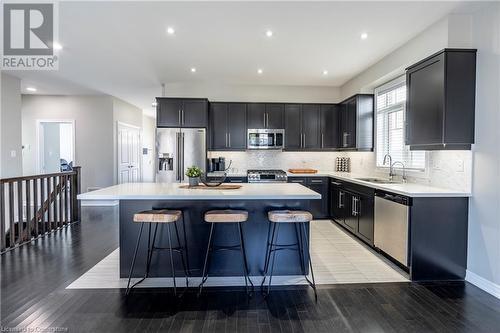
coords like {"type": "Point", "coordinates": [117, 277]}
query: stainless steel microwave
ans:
{"type": "Point", "coordinates": [266, 138]}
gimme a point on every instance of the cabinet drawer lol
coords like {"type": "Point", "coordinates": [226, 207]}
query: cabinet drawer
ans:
{"type": "Point", "coordinates": [300, 180]}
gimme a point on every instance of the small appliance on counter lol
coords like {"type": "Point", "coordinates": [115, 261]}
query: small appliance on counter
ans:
{"type": "Point", "coordinates": [343, 164]}
{"type": "Point", "coordinates": [216, 164]}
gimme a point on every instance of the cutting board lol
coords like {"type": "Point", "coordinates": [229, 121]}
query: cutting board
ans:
{"type": "Point", "coordinates": [302, 170]}
{"type": "Point", "coordinates": [204, 187]}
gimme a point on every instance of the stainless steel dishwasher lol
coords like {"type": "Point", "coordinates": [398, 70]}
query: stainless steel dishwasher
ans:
{"type": "Point", "coordinates": [392, 214]}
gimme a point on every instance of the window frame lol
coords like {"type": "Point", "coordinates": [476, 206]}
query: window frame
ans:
{"type": "Point", "coordinates": [418, 172]}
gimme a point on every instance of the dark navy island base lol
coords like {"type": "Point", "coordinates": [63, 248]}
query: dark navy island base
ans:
{"type": "Point", "coordinates": [227, 263]}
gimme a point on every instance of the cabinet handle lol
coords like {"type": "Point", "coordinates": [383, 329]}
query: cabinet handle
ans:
{"type": "Point", "coordinates": [344, 140]}
{"type": "Point", "coordinates": [317, 181]}
{"type": "Point", "coordinates": [265, 120]}
{"type": "Point", "coordinates": [304, 140]}
{"type": "Point", "coordinates": [341, 199]}
{"type": "Point", "coordinates": [180, 117]}
{"type": "Point", "coordinates": [226, 140]}
{"type": "Point", "coordinates": [335, 183]}
{"type": "Point", "coordinates": [322, 140]}
{"type": "Point", "coordinates": [229, 139]}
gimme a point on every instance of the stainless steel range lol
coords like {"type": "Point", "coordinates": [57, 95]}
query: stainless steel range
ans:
{"type": "Point", "coordinates": [267, 176]}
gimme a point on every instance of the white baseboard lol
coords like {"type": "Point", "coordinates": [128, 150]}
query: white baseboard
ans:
{"type": "Point", "coordinates": [482, 283]}
{"type": "Point", "coordinates": [99, 203]}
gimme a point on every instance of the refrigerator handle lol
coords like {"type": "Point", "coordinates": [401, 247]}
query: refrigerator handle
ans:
{"type": "Point", "coordinates": [182, 161]}
{"type": "Point", "coordinates": [178, 156]}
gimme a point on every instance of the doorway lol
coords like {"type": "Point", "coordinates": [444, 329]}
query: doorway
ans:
{"type": "Point", "coordinates": [56, 146]}
{"type": "Point", "coordinates": [129, 153]}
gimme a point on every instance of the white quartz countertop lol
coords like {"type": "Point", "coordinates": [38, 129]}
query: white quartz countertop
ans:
{"type": "Point", "coordinates": [163, 191]}
{"type": "Point", "coordinates": [408, 189]}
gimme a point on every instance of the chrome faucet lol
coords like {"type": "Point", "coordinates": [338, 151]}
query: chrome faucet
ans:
{"type": "Point", "coordinates": [403, 177]}
{"type": "Point", "coordinates": [391, 167]}
{"type": "Point", "coordinates": [391, 171]}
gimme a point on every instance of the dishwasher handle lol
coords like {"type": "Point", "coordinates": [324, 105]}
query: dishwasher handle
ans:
{"type": "Point", "coordinates": [400, 199]}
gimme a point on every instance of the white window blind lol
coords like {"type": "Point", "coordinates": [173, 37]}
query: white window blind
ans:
{"type": "Point", "coordinates": [390, 106]}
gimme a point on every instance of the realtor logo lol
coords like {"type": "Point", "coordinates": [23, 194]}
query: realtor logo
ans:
{"type": "Point", "coordinates": [29, 32]}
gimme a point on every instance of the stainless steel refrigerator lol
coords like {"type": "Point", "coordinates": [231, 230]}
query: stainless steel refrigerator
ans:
{"type": "Point", "coordinates": [178, 149]}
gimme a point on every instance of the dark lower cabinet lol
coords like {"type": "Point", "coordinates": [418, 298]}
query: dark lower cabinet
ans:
{"type": "Point", "coordinates": [319, 208]}
{"type": "Point", "coordinates": [352, 206]}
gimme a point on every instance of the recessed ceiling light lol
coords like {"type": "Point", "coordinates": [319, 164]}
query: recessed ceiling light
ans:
{"type": "Point", "coordinates": [57, 46]}
{"type": "Point", "coordinates": [170, 31]}
{"type": "Point", "coordinates": [269, 33]}
{"type": "Point", "coordinates": [193, 70]}
{"type": "Point", "coordinates": [260, 71]}
{"type": "Point", "coordinates": [33, 89]}
{"type": "Point", "coordinates": [325, 72]}
{"type": "Point", "coordinates": [364, 35]}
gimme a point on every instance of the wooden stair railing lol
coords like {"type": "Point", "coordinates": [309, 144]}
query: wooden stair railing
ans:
{"type": "Point", "coordinates": [43, 203]}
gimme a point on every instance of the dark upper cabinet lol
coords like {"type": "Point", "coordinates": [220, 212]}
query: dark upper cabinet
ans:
{"type": "Point", "coordinates": [237, 126]}
{"type": "Point", "coordinates": [356, 123]}
{"type": "Point", "coordinates": [302, 126]}
{"type": "Point", "coordinates": [256, 115]}
{"type": "Point", "coordinates": [218, 126]}
{"type": "Point", "coordinates": [440, 103]}
{"type": "Point", "coordinates": [329, 134]}
{"type": "Point", "coordinates": [311, 126]}
{"type": "Point", "coordinates": [227, 129]}
{"type": "Point", "coordinates": [293, 126]}
{"type": "Point", "coordinates": [261, 115]}
{"type": "Point", "coordinates": [274, 116]}
{"type": "Point", "coordinates": [179, 112]}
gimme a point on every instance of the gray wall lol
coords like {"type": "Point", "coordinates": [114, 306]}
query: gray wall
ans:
{"type": "Point", "coordinates": [484, 218]}
{"type": "Point", "coordinates": [10, 127]}
{"type": "Point", "coordinates": [93, 116]}
{"type": "Point", "coordinates": [126, 113]}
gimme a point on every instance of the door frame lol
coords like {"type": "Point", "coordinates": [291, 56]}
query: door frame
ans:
{"type": "Point", "coordinates": [120, 124]}
{"type": "Point", "coordinates": [39, 146]}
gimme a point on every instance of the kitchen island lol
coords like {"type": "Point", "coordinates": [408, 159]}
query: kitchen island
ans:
{"type": "Point", "coordinates": [257, 199]}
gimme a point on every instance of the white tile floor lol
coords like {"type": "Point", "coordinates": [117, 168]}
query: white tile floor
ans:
{"type": "Point", "coordinates": [337, 258]}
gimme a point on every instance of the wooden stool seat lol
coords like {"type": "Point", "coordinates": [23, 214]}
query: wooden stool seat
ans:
{"type": "Point", "coordinates": [157, 216]}
{"type": "Point", "coordinates": [289, 216]}
{"type": "Point", "coordinates": [226, 216]}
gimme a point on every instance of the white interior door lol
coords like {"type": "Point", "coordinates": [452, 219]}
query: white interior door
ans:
{"type": "Point", "coordinates": [129, 147]}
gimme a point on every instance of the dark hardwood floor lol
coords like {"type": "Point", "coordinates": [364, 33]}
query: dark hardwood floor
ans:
{"type": "Point", "coordinates": [33, 294]}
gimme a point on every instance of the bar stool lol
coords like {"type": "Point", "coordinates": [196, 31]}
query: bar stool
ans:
{"type": "Point", "coordinates": [299, 219]}
{"type": "Point", "coordinates": [157, 217]}
{"type": "Point", "coordinates": [227, 216]}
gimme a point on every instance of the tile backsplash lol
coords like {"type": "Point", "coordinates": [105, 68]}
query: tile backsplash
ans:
{"type": "Point", "coordinates": [447, 169]}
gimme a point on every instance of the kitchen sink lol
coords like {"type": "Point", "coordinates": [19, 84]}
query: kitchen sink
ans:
{"type": "Point", "coordinates": [379, 180]}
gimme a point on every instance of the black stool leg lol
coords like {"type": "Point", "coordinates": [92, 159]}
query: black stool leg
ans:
{"type": "Point", "coordinates": [181, 250]}
{"type": "Point", "coordinates": [204, 273]}
{"type": "Point", "coordinates": [133, 260]}
{"type": "Point", "coordinates": [185, 242]}
{"type": "Point", "coordinates": [171, 258]}
{"type": "Point", "coordinates": [150, 252]}
{"type": "Point", "coordinates": [270, 237]}
{"type": "Point", "coordinates": [274, 242]}
{"type": "Point", "coordinates": [298, 235]}
{"type": "Point", "coordinates": [245, 263]}
{"type": "Point", "coordinates": [306, 241]}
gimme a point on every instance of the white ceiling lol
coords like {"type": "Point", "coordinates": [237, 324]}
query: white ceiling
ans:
{"type": "Point", "coordinates": [122, 48]}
